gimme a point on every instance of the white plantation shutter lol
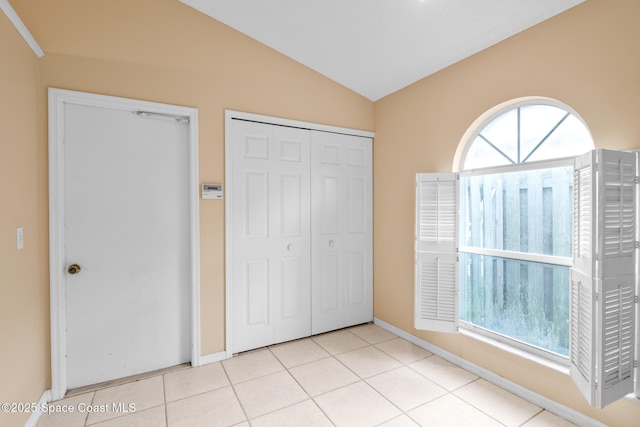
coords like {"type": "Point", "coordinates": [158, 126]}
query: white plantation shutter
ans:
{"type": "Point", "coordinates": [582, 313]}
{"type": "Point", "coordinates": [436, 275]}
{"type": "Point", "coordinates": [602, 323]}
{"type": "Point", "coordinates": [637, 271]}
{"type": "Point", "coordinates": [584, 218]}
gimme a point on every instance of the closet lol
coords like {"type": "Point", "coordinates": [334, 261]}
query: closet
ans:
{"type": "Point", "coordinates": [299, 230]}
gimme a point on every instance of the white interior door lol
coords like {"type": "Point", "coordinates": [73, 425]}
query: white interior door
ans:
{"type": "Point", "coordinates": [341, 180]}
{"type": "Point", "coordinates": [270, 249]}
{"type": "Point", "coordinates": [127, 225]}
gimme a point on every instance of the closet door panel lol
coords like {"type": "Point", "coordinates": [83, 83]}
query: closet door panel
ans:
{"type": "Point", "coordinates": [357, 205]}
{"type": "Point", "coordinates": [270, 254]}
{"type": "Point", "coordinates": [326, 294]}
{"type": "Point", "coordinates": [341, 231]}
{"type": "Point", "coordinates": [256, 224]}
{"type": "Point", "coordinates": [291, 230]}
{"type": "Point", "coordinates": [256, 289]}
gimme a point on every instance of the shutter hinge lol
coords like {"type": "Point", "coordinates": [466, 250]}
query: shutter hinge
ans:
{"type": "Point", "coordinates": [635, 299]}
{"type": "Point", "coordinates": [637, 179]}
{"type": "Point", "coordinates": [636, 244]}
{"type": "Point", "coordinates": [595, 296]}
{"type": "Point", "coordinates": [635, 363]}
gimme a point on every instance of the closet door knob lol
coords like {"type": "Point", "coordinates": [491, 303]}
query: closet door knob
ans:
{"type": "Point", "coordinates": [331, 243]}
{"type": "Point", "coordinates": [290, 246]}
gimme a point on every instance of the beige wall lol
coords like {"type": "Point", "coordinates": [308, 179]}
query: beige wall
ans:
{"type": "Point", "coordinates": [24, 288]}
{"type": "Point", "coordinates": [170, 53]}
{"type": "Point", "coordinates": [586, 58]}
{"type": "Point", "coordinates": [155, 50]}
{"type": "Point", "coordinates": [164, 51]}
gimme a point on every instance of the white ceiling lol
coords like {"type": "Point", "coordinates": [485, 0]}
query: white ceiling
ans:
{"type": "Point", "coordinates": [376, 47]}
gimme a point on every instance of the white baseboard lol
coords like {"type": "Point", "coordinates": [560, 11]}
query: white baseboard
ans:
{"type": "Point", "coordinates": [212, 358]}
{"type": "Point", "coordinates": [35, 416]}
{"type": "Point", "coordinates": [533, 397]}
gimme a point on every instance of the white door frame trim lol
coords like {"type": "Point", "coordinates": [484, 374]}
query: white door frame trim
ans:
{"type": "Point", "coordinates": [57, 99]}
{"type": "Point", "coordinates": [230, 115]}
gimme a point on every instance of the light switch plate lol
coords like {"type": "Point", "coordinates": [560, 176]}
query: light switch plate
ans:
{"type": "Point", "coordinates": [20, 237]}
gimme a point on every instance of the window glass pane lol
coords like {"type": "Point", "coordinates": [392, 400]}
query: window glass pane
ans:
{"type": "Point", "coordinates": [571, 138]}
{"type": "Point", "coordinates": [526, 301]}
{"type": "Point", "coordinates": [536, 121]}
{"type": "Point", "coordinates": [530, 212]}
{"type": "Point", "coordinates": [481, 155]}
{"type": "Point", "coordinates": [527, 211]}
{"type": "Point", "coordinates": [502, 132]}
{"type": "Point", "coordinates": [528, 133]}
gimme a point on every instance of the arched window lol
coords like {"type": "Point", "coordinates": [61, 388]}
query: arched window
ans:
{"type": "Point", "coordinates": [516, 223]}
{"type": "Point", "coordinates": [503, 244]}
{"type": "Point", "coordinates": [527, 132]}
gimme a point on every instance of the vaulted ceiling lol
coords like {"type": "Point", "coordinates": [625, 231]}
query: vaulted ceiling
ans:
{"type": "Point", "coordinates": [376, 47]}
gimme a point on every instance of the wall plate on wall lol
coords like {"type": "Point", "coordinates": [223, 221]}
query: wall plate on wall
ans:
{"type": "Point", "coordinates": [212, 191]}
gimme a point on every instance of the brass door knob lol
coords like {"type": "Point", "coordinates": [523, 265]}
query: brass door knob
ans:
{"type": "Point", "coordinates": [73, 269]}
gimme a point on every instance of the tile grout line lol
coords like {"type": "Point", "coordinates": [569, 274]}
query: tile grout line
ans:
{"type": "Point", "coordinates": [365, 381]}
{"type": "Point", "coordinates": [235, 394]}
{"type": "Point", "coordinates": [164, 395]}
{"type": "Point", "coordinates": [533, 416]}
{"type": "Point", "coordinates": [483, 411]}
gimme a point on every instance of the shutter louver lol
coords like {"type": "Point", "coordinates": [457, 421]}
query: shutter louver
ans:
{"type": "Point", "coordinates": [582, 334]}
{"type": "Point", "coordinates": [602, 324]}
{"type": "Point", "coordinates": [617, 348]}
{"type": "Point", "coordinates": [436, 276]}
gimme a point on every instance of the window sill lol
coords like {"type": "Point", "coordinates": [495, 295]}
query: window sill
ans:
{"type": "Point", "coordinates": [558, 367]}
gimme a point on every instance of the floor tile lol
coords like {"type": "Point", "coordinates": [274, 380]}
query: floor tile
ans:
{"type": "Point", "coordinates": [143, 394]}
{"type": "Point", "coordinates": [368, 361]}
{"type": "Point", "coordinates": [214, 408]}
{"type": "Point", "coordinates": [442, 372]}
{"type": "Point", "coordinates": [248, 366]}
{"type": "Point", "coordinates": [339, 341]}
{"type": "Point", "coordinates": [192, 381]}
{"type": "Point", "coordinates": [406, 388]}
{"type": "Point", "coordinates": [547, 419]}
{"type": "Point", "coordinates": [401, 421]}
{"type": "Point", "coordinates": [61, 419]}
{"type": "Point", "coordinates": [266, 394]}
{"type": "Point", "coordinates": [360, 376]}
{"type": "Point", "coordinates": [356, 405]}
{"type": "Point", "coordinates": [450, 410]}
{"type": "Point", "coordinates": [372, 334]}
{"type": "Point", "coordinates": [153, 417]}
{"type": "Point", "coordinates": [500, 404]}
{"type": "Point", "coordinates": [304, 413]}
{"type": "Point", "coordinates": [402, 350]}
{"type": "Point", "coordinates": [323, 375]}
{"type": "Point", "coordinates": [298, 352]}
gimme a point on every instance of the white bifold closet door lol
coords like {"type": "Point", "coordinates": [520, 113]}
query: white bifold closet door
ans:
{"type": "Point", "coordinates": [270, 235]}
{"type": "Point", "coordinates": [301, 234]}
{"type": "Point", "coordinates": [341, 231]}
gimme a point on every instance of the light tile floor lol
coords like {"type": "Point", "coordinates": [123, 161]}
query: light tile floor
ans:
{"type": "Point", "coordinates": [361, 376]}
